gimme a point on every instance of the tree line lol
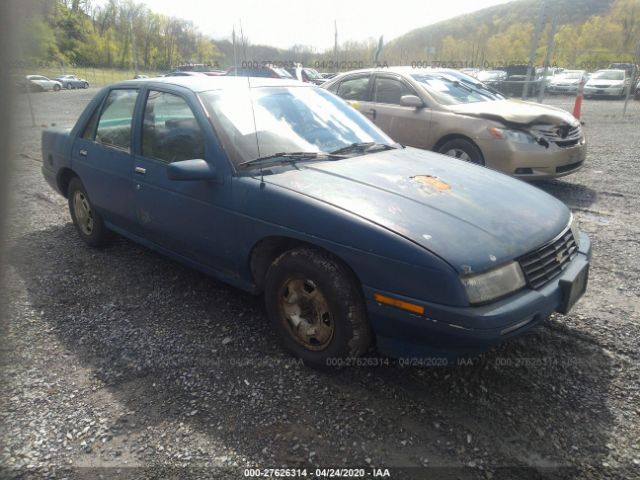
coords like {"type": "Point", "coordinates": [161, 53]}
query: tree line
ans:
{"type": "Point", "coordinates": [80, 32]}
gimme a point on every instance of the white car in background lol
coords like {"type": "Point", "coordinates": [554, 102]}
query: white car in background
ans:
{"type": "Point", "coordinates": [42, 83]}
{"type": "Point", "coordinates": [607, 83]}
{"type": "Point", "coordinates": [566, 82]}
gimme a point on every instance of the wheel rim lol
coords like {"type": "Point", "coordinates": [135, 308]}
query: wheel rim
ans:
{"type": "Point", "coordinates": [82, 210]}
{"type": "Point", "coordinates": [459, 154]}
{"type": "Point", "coordinates": [306, 314]}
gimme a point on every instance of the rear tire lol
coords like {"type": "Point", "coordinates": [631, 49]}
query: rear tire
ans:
{"type": "Point", "coordinates": [88, 222]}
{"type": "Point", "coordinates": [316, 308]}
{"type": "Point", "coordinates": [462, 149]}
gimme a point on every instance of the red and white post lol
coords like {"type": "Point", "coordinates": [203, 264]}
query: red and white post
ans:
{"type": "Point", "coordinates": [578, 105]}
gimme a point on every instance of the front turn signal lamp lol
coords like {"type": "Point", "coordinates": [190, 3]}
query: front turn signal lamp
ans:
{"type": "Point", "coordinates": [401, 304]}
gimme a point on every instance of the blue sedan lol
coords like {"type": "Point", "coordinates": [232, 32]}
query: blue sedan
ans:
{"type": "Point", "coordinates": [282, 189]}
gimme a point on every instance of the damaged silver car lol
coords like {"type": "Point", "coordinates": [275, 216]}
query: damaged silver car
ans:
{"type": "Point", "coordinates": [457, 115]}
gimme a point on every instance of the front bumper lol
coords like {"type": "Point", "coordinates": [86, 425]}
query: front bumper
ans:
{"type": "Point", "coordinates": [532, 161]}
{"type": "Point", "coordinates": [568, 89]}
{"type": "Point", "coordinates": [445, 331]}
{"type": "Point", "coordinates": [604, 92]}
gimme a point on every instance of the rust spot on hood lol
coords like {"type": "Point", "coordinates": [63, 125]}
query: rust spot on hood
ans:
{"type": "Point", "coordinates": [432, 181]}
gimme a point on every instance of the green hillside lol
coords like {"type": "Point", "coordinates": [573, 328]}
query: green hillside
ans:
{"type": "Point", "coordinates": [588, 32]}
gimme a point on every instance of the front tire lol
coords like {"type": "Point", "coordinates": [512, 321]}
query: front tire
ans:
{"type": "Point", "coordinates": [462, 149]}
{"type": "Point", "coordinates": [56, 88]}
{"type": "Point", "coordinates": [316, 308]}
{"type": "Point", "coordinates": [85, 85]}
{"type": "Point", "coordinates": [87, 221]}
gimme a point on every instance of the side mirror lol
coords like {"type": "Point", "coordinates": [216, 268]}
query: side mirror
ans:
{"type": "Point", "coordinates": [411, 101]}
{"type": "Point", "coordinates": [191, 170]}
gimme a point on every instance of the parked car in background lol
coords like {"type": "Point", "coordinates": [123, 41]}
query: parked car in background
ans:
{"type": "Point", "coordinates": [264, 71]}
{"type": "Point", "coordinates": [215, 73]}
{"type": "Point", "coordinates": [72, 81]}
{"type": "Point", "coordinates": [434, 110]}
{"type": "Point", "coordinates": [607, 83]}
{"type": "Point", "coordinates": [492, 77]}
{"type": "Point", "coordinates": [40, 83]}
{"type": "Point", "coordinates": [566, 82]}
{"type": "Point", "coordinates": [351, 239]}
{"type": "Point", "coordinates": [140, 76]}
{"type": "Point", "coordinates": [328, 75]}
{"type": "Point", "coordinates": [637, 92]}
{"type": "Point", "coordinates": [472, 72]}
{"type": "Point", "coordinates": [630, 69]}
{"type": "Point", "coordinates": [180, 73]}
{"type": "Point", "coordinates": [306, 74]}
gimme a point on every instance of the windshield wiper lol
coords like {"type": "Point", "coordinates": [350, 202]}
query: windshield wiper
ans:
{"type": "Point", "coordinates": [291, 157]}
{"type": "Point", "coordinates": [364, 147]}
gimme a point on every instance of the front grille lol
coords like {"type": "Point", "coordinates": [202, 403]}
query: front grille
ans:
{"type": "Point", "coordinates": [549, 261]}
{"type": "Point", "coordinates": [563, 136]}
{"type": "Point", "coordinates": [601, 86]}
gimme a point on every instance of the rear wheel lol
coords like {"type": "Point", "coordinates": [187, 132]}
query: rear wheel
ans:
{"type": "Point", "coordinates": [463, 150]}
{"type": "Point", "coordinates": [316, 307]}
{"type": "Point", "coordinates": [88, 222]}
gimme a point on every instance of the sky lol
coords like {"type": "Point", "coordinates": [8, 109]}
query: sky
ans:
{"type": "Point", "coordinates": [282, 23]}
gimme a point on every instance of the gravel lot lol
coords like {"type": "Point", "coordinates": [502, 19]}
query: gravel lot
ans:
{"type": "Point", "coordinates": [121, 363]}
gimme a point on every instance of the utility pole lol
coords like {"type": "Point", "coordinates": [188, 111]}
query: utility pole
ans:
{"type": "Point", "coordinates": [133, 43]}
{"type": "Point", "coordinates": [547, 57]}
{"type": "Point", "coordinates": [534, 46]}
{"type": "Point", "coordinates": [335, 45]}
{"type": "Point", "coordinates": [634, 77]}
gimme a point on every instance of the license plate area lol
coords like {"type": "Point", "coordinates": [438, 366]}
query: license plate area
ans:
{"type": "Point", "coordinates": [573, 288]}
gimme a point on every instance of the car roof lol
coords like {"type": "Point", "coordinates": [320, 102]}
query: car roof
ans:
{"type": "Point", "coordinates": [221, 82]}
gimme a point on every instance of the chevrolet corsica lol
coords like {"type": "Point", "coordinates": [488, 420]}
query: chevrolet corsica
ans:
{"type": "Point", "coordinates": [281, 188]}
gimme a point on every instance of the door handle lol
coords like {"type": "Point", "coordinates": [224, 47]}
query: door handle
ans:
{"type": "Point", "coordinates": [82, 152]}
{"type": "Point", "coordinates": [141, 170]}
{"type": "Point", "coordinates": [371, 112]}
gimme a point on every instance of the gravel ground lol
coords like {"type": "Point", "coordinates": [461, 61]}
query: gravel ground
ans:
{"type": "Point", "coordinates": [121, 363]}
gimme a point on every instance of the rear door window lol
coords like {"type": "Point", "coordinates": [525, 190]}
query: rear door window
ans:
{"type": "Point", "coordinates": [114, 126]}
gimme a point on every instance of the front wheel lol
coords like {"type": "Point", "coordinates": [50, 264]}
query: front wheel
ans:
{"type": "Point", "coordinates": [85, 85]}
{"type": "Point", "coordinates": [56, 88]}
{"type": "Point", "coordinates": [316, 308]}
{"type": "Point", "coordinates": [463, 150]}
{"type": "Point", "coordinates": [88, 222]}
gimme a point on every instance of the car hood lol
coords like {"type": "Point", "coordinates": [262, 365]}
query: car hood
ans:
{"type": "Point", "coordinates": [472, 217]}
{"type": "Point", "coordinates": [516, 112]}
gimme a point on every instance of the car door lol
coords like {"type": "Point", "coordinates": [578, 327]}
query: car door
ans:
{"type": "Point", "coordinates": [406, 125]}
{"type": "Point", "coordinates": [101, 156]}
{"type": "Point", "coordinates": [190, 218]}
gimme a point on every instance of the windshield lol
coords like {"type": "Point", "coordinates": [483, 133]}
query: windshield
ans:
{"type": "Point", "coordinates": [283, 72]}
{"type": "Point", "coordinates": [609, 75]}
{"type": "Point", "coordinates": [311, 73]}
{"type": "Point", "coordinates": [286, 119]}
{"type": "Point", "coordinates": [449, 91]}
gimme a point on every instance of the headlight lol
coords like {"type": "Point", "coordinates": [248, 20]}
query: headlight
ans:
{"type": "Point", "coordinates": [511, 135]}
{"type": "Point", "coordinates": [485, 286]}
{"type": "Point", "coordinates": [573, 224]}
